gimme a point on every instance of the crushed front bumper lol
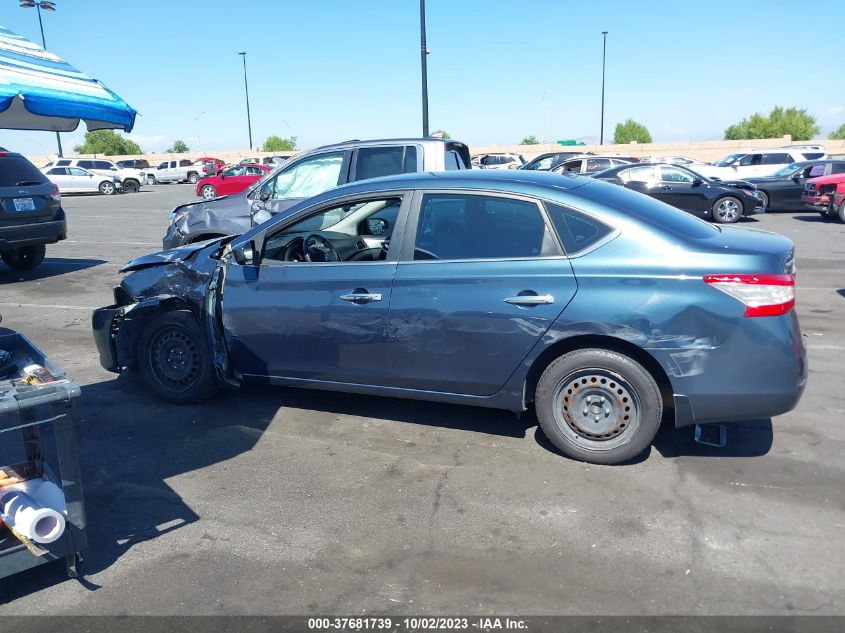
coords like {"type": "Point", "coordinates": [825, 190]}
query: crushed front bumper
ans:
{"type": "Point", "coordinates": [105, 323]}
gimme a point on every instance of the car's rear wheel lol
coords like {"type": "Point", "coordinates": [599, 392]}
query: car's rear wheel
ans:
{"type": "Point", "coordinates": [208, 192]}
{"type": "Point", "coordinates": [764, 199]}
{"type": "Point", "coordinates": [25, 258]}
{"type": "Point", "coordinates": [598, 406]}
{"type": "Point", "coordinates": [193, 178]}
{"type": "Point", "coordinates": [151, 180]}
{"type": "Point", "coordinates": [107, 188]}
{"type": "Point", "coordinates": [174, 360]}
{"type": "Point", "coordinates": [131, 186]}
{"type": "Point", "coordinates": [727, 210]}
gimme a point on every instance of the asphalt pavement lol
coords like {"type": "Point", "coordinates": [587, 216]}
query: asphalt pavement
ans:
{"type": "Point", "coordinates": [284, 501]}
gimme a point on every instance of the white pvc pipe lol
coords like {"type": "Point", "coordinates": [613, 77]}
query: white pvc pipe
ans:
{"type": "Point", "coordinates": [35, 509]}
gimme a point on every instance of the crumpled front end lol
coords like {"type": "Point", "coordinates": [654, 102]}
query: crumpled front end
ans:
{"type": "Point", "coordinates": [186, 279]}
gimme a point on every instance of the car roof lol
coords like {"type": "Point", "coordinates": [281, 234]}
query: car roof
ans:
{"type": "Point", "coordinates": [385, 141]}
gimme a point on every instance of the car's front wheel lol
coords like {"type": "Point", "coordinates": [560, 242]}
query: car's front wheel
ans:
{"type": "Point", "coordinates": [193, 178]}
{"type": "Point", "coordinates": [151, 180]}
{"type": "Point", "coordinates": [25, 258]}
{"type": "Point", "coordinates": [208, 192]}
{"type": "Point", "coordinates": [764, 199]}
{"type": "Point", "coordinates": [174, 360]}
{"type": "Point", "coordinates": [727, 210]}
{"type": "Point", "coordinates": [131, 186]}
{"type": "Point", "coordinates": [598, 406]}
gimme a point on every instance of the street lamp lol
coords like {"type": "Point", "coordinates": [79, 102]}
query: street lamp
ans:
{"type": "Point", "coordinates": [246, 90]}
{"type": "Point", "coordinates": [603, 57]}
{"type": "Point", "coordinates": [197, 122]}
{"type": "Point", "coordinates": [47, 6]}
{"type": "Point", "coordinates": [423, 54]}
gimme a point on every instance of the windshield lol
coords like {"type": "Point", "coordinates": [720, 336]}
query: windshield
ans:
{"type": "Point", "coordinates": [786, 170]}
{"type": "Point", "coordinates": [727, 160]}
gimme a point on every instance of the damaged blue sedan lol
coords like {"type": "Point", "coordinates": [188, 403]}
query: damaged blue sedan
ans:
{"type": "Point", "coordinates": [605, 310]}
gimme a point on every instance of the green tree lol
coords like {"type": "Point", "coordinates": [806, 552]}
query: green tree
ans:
{"type": "Point", "coordinates": [799, 124]}
{"type": "Point", "coordinates": [529, 140]}
{"type": "Point", "coordinates": [108, 143]}
{"type": "Point", "coordinates": [278, 144]}
{"type": "Point", "coordinates": [441, 134]}
{"type": "Point", "coordinates": [838, 134]}
{"type": "Point", "coordinates": [630, 130]}
{"type": "Point", "coordinates": [178, 147]}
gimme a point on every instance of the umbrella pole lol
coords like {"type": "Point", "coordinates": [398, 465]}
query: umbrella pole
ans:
{"type": "Point", "coordinates": [44, 44]}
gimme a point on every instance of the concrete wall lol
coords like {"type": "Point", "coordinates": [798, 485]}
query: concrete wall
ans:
{"type": "Point", "coordinates": [702, 150]}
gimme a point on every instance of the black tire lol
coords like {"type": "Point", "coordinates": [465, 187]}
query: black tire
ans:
{"type": "Point", "coordinates": [25, 258]}
{"type": "Point", "coordinates": [174, 359]}
{"type": "Point", "coordinates": [764, 199]}
{"type": "Point", "coordinates": [598, 406]}
{"type": "Point", "coordinates": [131, 186]}
{"type": "Point", "coordinates": [727, 210]}
{"type": "Point", "coordinates": [151, 180]}
{"type": "Point", "coordinates": [208, 192]}
{"type": "Point", "coordinates": [193, 178]}
{"type": "Point", "coordinates": [107, 188]}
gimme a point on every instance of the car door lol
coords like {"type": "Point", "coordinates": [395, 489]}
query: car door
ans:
{"type": "Point", "coordinates": [60, 177]}
{"type": "Point", "coordinates": [304, 178]}
{"type": "Point", "coordinates": [678, 187]}
{"type": "Point", "coordinates": [83, 180]}
{"type": "Point", "coordinates": [287, 319]}
{"type": "Point", "coordinates": [232, 180]}
{"type": "Point", "coordinates": [789, 197]}
{"type": "Point", "coordinates": [481, 277]}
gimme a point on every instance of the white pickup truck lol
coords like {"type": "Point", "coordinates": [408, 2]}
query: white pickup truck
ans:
{"type": "Point", "coordinates": [179, 170]}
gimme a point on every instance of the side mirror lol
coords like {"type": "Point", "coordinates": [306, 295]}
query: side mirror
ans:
{"type": "Point", "coordinates": [244, 253]}
{"type": "Point", "coordinates": [264, 195]}
{"type": "Point", "coordinates": [697, 182]}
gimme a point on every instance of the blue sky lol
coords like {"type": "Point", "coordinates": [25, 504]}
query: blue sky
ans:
{"type": "Point", "coordinates": [329, 70]}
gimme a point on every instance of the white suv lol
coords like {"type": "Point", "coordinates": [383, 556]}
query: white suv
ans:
{"type": "Point", "coordinates": [132, 179]}
{"type": "Point", "coordinates": [762, 162]}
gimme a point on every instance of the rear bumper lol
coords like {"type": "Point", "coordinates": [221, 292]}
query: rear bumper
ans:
{"type": "Point", "coordinates": [760, 372]}
{"type": "Point", "coordinates": [21, 235]}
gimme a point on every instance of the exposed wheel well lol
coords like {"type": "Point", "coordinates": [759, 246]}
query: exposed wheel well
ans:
{"type": "Point", "coordinates": [602, 342]}
{"type": "Point", "coordinates": [136, 321]}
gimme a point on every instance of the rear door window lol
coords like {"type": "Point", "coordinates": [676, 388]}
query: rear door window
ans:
{"type": "Point", "coordinates": [102, 164]}
{"type": "Point", "coordinates": [644, 173]}
{"type": "Point", "coordinates": [57, 171]}
{"type": "Point", "coordinates": [453, 161]}
{"type": "Point", "coordinates": [837, 168]}
{"type": "Point", "coordinates": [16, 170]}
{"type": "Point", "coordinates": [468, 226]}
{"type": "Point", "coordinates": [373, 162]}
{"type": "Point", "coordinates": [86, 164]}
{"type": "Point", "coordinates": [775, 158]}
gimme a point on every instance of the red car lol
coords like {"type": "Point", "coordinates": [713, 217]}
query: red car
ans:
{"type": "Point", "coordinates": [232, 180]}
{"type": "Point", "coordinates": [826, 195]}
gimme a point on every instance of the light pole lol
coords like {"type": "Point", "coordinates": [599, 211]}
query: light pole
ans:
{"type": "Point", "coordinates": [197, 122]}
{"type": "Point", "coordinates": [246, 90]}
{"type": "Point", "coordinates": [543, 118]}
{"type": "Point", "coordinates": [423, 54]}
{"type": "Point", "coordinates": [603, 58]}
{"type": "Point", "coordinates": [47, 6]}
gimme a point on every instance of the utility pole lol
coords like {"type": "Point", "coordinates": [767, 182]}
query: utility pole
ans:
{"type": "Point", "coordinates": [246, 90]}
{"type": "Point", "coordinates": [603, 58]}
{"type": "Point", "coordinates": [47, 6]}
{"type": "Point", "coordinates": [423, 54]}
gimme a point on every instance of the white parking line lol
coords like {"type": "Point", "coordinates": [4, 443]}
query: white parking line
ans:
{"type": "Point", "coordinates": [827, 348]}
{"type": "Point", "coordinates": [111, 242]}
{"type": "Point", "coordinates": [55, 306]}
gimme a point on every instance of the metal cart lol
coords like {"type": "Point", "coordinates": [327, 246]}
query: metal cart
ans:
{"type": "Point", "coordinates": [26, 412]}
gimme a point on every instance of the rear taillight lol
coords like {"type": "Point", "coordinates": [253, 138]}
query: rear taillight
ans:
{"type": "Point", "coordinates": [762, 295]}
{"type": "Point", "coordinates": [56, 194]}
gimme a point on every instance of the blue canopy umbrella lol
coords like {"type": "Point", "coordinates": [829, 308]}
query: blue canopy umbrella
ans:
{"type": "Point", "coordinates": [40, 91]}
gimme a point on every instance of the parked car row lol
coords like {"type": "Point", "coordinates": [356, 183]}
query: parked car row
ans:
{"type": "Point", "coordinates": [116, 178]}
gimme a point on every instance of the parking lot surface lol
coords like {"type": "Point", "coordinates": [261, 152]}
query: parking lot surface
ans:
{"type": "Point", "coordinates": [283, 501]}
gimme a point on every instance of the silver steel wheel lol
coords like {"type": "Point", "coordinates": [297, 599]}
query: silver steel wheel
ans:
{"type": "Point", "coordinates": [193, 179]}
{"type": "Point", "coordinates": [209, 192]}
{"type": "Point", "coordinates": [151, 180]}
{"type": "Point", "coordinates": [596, 409]}
{"type": "Point", "coordinates": [107, 188]}
{"type": "Point", "coordinates": [727, 210]}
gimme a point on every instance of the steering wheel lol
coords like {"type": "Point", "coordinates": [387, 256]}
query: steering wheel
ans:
{"type": "Point", "coordinates": [318, 249]}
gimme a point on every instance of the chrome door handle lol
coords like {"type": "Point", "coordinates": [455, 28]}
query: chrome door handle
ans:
{"type": "Point", "coordinates": [361, 297]}
{"type": "Point", "coordinates": [530, 300]}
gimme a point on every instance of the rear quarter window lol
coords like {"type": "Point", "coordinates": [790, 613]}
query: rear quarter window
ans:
{"type": "Point", "coordinates": [15, 170]}
{"type": "Point", "coordinates": [659, 215]}
{"type": "Point", "coordinates": [577, 231]}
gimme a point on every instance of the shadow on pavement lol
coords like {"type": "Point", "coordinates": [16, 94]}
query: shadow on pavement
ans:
{"type": "Point", "coordinates": [814, 219]}
{"type": "Point", "coordinates": [50, 267]}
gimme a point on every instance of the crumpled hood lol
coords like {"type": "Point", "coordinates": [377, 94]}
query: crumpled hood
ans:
{"type": "Point", "coordinates": [227, 205]}
{"type": "Point", "coordinates": [180, 254]}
